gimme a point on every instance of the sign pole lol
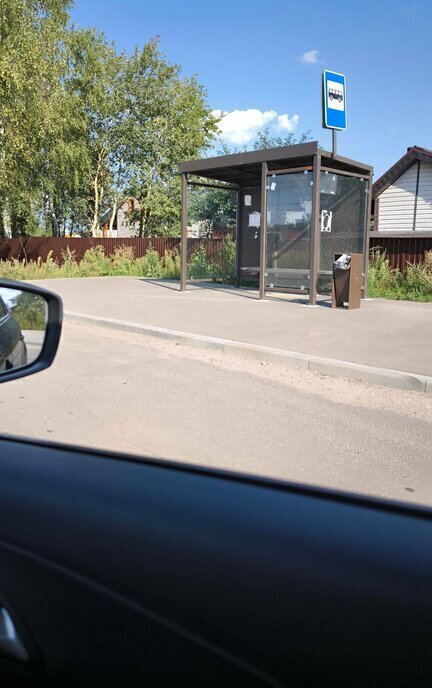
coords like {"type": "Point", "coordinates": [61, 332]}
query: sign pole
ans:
{"type": "Point", "coordinates": [334, 149]}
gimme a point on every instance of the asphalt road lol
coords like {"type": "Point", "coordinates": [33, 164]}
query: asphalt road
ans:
{"type": "Point", "coordinates": [116, 390]}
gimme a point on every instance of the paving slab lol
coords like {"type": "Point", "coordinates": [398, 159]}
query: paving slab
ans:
{"type": "Point", "coordinates": [396, 335]}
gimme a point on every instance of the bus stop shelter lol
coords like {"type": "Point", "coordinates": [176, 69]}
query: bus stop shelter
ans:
{"type": "Point", "coordinates": [297, 207]}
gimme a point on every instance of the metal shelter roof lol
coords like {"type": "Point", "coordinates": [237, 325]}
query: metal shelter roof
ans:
{"type": "Point", "coordinates": [245, 168]}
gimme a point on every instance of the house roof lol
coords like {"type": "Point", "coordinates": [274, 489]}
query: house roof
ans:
{"type": "Point", "coordinates": [413, 154]}
{"type": "Point", "coordinates": [105, 216]}
{"type": "Point", "coordinates": [245, 168]}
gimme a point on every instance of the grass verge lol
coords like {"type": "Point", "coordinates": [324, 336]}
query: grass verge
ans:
{"type": "Point", "coordinates": [383, 281]}
{"type": "Point", "coordinates": [415, 284]}
{"type": "Point", "coordinates": [124, 263]}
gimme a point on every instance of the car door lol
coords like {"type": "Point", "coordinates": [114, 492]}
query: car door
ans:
{"type": "Point", "coordinates": [125, 571]}
{"type": "Point", "coordinates": [117, 571]}
{"type": "Point", "coordinates": [12, 350]}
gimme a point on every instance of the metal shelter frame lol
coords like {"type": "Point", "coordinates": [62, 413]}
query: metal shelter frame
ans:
{"type": "Point", "coordinates": [252, 169]}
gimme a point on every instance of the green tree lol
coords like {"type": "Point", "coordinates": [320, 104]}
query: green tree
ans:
{"type": "Point", "coordinates": [65, 162]}
{"type": "Point", "coordinates": [166, 121]}
{"type": "Point", "coordinates": [31, 311]}
{"type": "Point", "coordinates": [264, 139]}
{"type": "Point", "coordinates": [83, 127]}
{"type": "Point", "coordinates": [31, 35]}
{"type": "Point", "coordinates": [212, 208]}
{"type": "Point", "coordinates": [95, 87]}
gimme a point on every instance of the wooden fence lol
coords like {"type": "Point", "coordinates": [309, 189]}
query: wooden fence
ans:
{"type": "Point", "coordinates": [31, 248]}
{"type": "Point", "coordinates": [402, 248]}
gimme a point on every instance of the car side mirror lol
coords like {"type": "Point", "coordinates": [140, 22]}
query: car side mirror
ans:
{"type": "Point", "coordinates": [30, 328]}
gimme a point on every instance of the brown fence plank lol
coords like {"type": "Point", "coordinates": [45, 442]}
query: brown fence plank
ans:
{"type": "Point", "coordinates": [32, 248]}
{"type": "Point", "coordinates": [402, 250]}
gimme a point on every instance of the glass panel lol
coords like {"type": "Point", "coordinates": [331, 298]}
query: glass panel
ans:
{"type": "Point", "coordinates": [289, 212]}
{"type": "Point", "coordinates": [250, 234]}
{"type": "Point", "coordinates": [211, 226]}
{"type": "Point", "coordinates": [343, 207]}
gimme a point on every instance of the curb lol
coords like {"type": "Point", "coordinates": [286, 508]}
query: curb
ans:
{"type": "Point", "coordinates": [328, 366]}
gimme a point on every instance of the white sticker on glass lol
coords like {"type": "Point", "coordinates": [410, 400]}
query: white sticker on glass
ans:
{"type": "Point", "coordinates": [254, 219]}
{"type": "Point", "coordinates": [326, 220]}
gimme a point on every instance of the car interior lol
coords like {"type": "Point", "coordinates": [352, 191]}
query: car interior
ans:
{"type": "Point", "coordinates": [125, 571]}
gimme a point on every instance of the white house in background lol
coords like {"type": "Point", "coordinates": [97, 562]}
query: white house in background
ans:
{"type": "Point", "coordinates": [122, 227]}
{"type": "Point", "coordinates": [403, 195]}
{"type": "Point", "coordinates": [196, 230]}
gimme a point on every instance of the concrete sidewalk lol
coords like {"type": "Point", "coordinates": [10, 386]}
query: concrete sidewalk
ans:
{"type": "Point", "coordinates": [385, 334]}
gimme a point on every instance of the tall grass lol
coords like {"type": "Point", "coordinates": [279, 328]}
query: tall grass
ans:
{"type": "Point", "coordinates": [95, 264]}
{"type": "Point", "coordinates": [220, 266]}
{"type": "Point", "coordinates": [383, 281]}
{"type": "Point", "coordinates": [389, 283]}
{"type": "Point", "coordinates": [124, 263]}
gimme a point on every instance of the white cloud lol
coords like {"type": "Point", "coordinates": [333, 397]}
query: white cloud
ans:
{"type": "Point", "coordinates": [240, 127]}
{"type": "Point", "coordinates": [309, 57]}
{"type": "Point", "coordinates": [286, 123]}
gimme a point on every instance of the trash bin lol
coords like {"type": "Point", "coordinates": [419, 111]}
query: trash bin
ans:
{"type": "Point", "coordinates": [341, 275]}
{"type": "Point", "coordinates": [347, 280]}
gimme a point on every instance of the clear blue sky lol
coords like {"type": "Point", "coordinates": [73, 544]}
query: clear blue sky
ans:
{"type": "Point", "coordinates": [247, 54]}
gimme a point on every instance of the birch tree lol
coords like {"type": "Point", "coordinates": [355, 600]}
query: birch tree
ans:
{"type": "Point", "coordinates": [166, 120]}
{"type": "Point", "coordinates": [31, 33]}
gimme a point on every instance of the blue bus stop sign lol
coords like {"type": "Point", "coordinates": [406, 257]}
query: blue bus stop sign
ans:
{"type": "Point", "coordinates": [334, 101]}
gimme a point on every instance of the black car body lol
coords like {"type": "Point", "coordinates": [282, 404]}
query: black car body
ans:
{"type": "Point", "coordinates": [13, 352]}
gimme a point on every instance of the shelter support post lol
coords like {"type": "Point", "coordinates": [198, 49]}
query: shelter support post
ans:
{"type": "Point", "coordinates": [263, 233]}
{"type": "Point", "coordinates": [315, 231]}
{"type": "Point", "coordinates": [238, 237]}
{"type": "Point", "coordinates": [183, 250]}
{"type": "Point", "coordinates": [367, 234]}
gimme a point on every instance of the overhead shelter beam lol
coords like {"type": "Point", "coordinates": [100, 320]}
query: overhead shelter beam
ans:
{"type": "Point", "coordinates": [244, 173]}
{"type": "Point", "coordinates": [341, 161]}
{"type": "Point", "coordinates": [345, 173]}
{"type": "Point", "coordinates": [289, 170]}
{"type": "Point", "coordinates": [214, 186]}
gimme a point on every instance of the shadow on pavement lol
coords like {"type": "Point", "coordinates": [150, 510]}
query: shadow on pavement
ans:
{"type": "Point", "coordinates": [197, 285]}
